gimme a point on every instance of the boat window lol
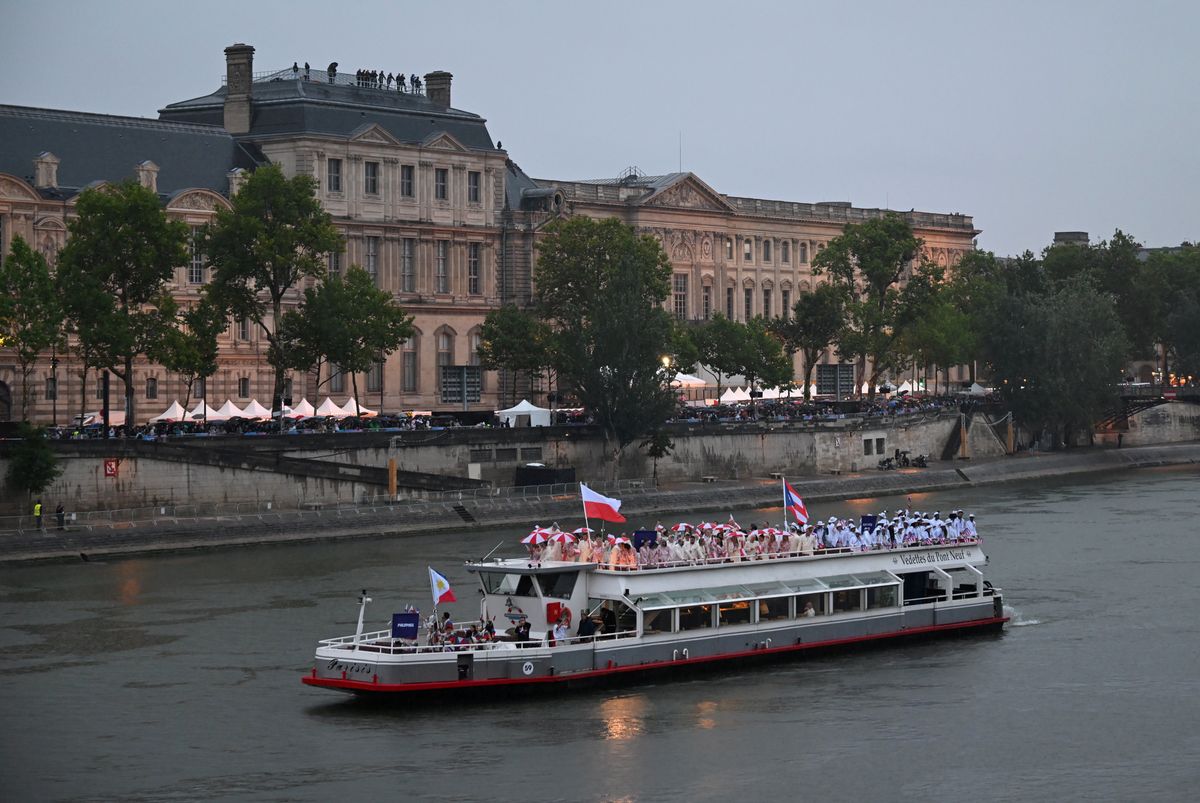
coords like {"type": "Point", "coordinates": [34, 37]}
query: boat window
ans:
{"type": "Point", "coordinates": [841, 581]}
{"type": "Point", "coordinates": [816, 600]}
{"type": "Point", "coordinates": [774, 608]}
{"type": "Point", "coordinates": [770, 590]}
{"type": "Point", "coordinates": [516, 585]}
{"type": "Point", "coordinates": [844, 601]}
{"type": "Point", "coordinates": [614, 613]}
{"type": "Point", "coordinates": [691, 597]}
{"type": "Point", "coordinates": [882, 597]}
{"type": "Point", "coordinates": [734, 613]}
{"type": "Point", "coordinates": [964, 582]}
{"type": "Point", "coordinates": [695, 617]}
{"type": "Point", "coordinates": [660, 621]}
{"type": "Point", "coordinates": [652, 602]}
{"type": "Point", "coordinates": [729, 593]}
{"type": "Point", "coordinates": [875, 579]}
{"type": "Point", "coordinates": [807, 585]}
{"type": "Point", "coordinates": [558, 584]}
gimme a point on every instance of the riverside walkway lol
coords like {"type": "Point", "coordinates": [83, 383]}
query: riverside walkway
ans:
{"type": "Point", "coordinates": [641, 503]}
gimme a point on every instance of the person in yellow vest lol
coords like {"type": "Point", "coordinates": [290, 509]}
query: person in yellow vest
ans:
{"type": "Point", "coordinates": [37, 514]}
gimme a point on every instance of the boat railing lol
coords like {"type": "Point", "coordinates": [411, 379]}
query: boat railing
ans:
{"type": "Point", "coordinates": [818, 553]}
{"type": "Point", "coordinates": [381, 641]}
{"type": "Point", "coordinates": [988, 591]}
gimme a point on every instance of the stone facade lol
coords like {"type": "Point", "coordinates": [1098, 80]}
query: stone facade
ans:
{"type": "Point", "coordinates": [427, 203]}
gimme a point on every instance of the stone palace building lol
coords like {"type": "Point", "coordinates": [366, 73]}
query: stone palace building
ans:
{"type": "Point", "coordinates": [428, 203]}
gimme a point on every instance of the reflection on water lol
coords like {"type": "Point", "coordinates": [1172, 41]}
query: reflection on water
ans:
{"type": "Point", "coordinates": [130, 575]}
{"type": "Point", "coordinates": [623, 717]}
{"type": "Point", "coordinates": [704, 710]}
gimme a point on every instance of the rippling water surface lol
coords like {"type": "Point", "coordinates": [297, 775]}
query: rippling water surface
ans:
{"type": "Point", "coordinates": [177, 678]}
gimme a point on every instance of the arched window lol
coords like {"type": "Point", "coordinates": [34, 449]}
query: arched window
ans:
{"type": "Point", "coordinates": [408, 365]}
{"type": "Point", "coordinates": [445, 352]}
{"type": "Point", "coordinates": [475, 340]}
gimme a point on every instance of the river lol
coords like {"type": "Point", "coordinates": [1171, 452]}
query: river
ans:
{"type": "Point", "coordinates": [177, 678]}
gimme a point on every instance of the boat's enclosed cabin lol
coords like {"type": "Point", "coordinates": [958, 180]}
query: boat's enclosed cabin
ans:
{"type": "Point", "coordinates": [539, 592]}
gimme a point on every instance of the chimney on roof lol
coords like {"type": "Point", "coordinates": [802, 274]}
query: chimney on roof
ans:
{"type": "Point", "coordinates": [45, 170]}
{"type": "Point", "coordinates": [437, 87]}
{"type": "Point", "coordinates": [239, 77]}
{"type": "Point", "coordinates": [147, 175]}
{"type": "Point", "coordinates": [1071, 238]}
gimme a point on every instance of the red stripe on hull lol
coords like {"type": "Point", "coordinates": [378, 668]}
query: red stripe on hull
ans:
{"type": "Point", "coordinates": [437, 686]}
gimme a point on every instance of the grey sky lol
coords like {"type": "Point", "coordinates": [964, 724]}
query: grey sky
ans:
{"type": "Point", "coordinates": [1031, 116]}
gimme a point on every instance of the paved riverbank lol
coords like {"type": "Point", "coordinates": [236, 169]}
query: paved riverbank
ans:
{"type": "Point", "coordinates": [167, 535]}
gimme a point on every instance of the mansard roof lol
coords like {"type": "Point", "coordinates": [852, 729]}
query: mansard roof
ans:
{"type": "Point", "coordinates": [285, 106]}
{"type": "Point", "coordinates": [105, 147]}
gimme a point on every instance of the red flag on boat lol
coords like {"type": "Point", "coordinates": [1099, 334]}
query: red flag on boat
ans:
{"type": "Point", "coordinates": [598, 506]}
{"type": "Point", "coordinates": [441, 588]}
{"type": "Point", "coordinates": [794, 504]}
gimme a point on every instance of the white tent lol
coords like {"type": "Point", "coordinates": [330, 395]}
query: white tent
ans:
{"type": "Point", "coordinates": [771, 393]}
{"type": "Point", "coordinates": [742, 394]}
{"type": "Point", "coordinates": [905, 387]}
{"type": "Point", "coordinates": [231, 410]}
{"type": "Point", "coordinates": [255, 410]}
{"type": "Point", "coordinates": [304, 409]}
{"type": "Point", "coordinates": [349, 409]}
{"type": "Point", "coordinates": [538, 416]}
{"type": "Point", "coordinates": [729, 396]}
{"type": "Point", "coordinates": [173, 413]}
{"type": "Point", "coordinates": [202, 410]}
{"type": "Point", "coordinates": [688, 381]}
{"type": "Point", "coordinates": [327, 407]}
{"type": "Point", "coordinates": [976, 389]}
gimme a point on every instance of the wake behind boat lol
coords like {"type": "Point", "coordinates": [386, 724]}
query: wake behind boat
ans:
{"type": "Point", "coordinates": [582, 622]}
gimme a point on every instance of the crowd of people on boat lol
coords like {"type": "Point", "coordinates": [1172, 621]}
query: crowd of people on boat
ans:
{"type": "Point", "coordinates": [713, 542]}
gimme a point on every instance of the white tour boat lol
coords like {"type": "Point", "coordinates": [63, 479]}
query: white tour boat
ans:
{"type": "Point", "coordinates": [663, 619]}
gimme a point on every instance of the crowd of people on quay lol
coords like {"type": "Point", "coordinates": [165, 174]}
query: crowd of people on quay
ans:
{"type": "Point", "coordinates": [715, 542]}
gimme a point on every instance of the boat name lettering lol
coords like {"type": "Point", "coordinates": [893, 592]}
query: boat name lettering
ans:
{"type": "Point", "coordinates": [337, 666]}
{"type": "Point", "coordinates": [934, 557]}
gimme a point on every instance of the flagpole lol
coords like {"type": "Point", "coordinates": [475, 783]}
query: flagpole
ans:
{"type": "Point", "coordinates": [783, 490]}
{"type": "Point", "coordinates": [585, 515]}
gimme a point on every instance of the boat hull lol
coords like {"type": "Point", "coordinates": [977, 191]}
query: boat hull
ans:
{"type": "Point", "coordinates": [573, 666]}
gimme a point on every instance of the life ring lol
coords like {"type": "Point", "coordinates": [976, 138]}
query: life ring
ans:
{"type": "Point", "coordinates": [527, 667]}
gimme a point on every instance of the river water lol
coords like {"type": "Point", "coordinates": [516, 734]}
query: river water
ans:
{"type": "Point", "coordinates": [177, 678]}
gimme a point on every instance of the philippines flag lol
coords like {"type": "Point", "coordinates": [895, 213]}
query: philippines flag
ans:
{"type": "Point", "coordinates": [597, 506]}
{"type": "Point", "coordinates": [441, 588]}
{"type": "Point", "coordinates": [793, 502]}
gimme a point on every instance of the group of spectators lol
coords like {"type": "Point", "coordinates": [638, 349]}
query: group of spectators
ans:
{"type": "Point", "coordinates": [378, 79]}
{"type": "Point", "coordinates": [686, 544]}
{"type": "Point", "coordinates": [785, 410]}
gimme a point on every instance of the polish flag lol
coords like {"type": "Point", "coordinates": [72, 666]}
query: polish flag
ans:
{"type": "Point", "coordinates": [597, 506]}
{"type": "Point", "coordinates": [793, 502]}
{"type": "Point", "coordinates": [441, 588]}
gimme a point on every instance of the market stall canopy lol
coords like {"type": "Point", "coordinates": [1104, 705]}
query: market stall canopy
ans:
{"type": "Point", "coordinates": [742, 395]}
{"type": "Point", "coordinates": [729, 396]}
{"type": "Point", "coordinates": [976, 389]}
{"type": "Point", "coordinates": [203, 411]}
{"type": "Point", "coordinates": [231, 410]}
{"type": "Point", "coordinates": [538, 416]}
{"type": "Point", "coordinates": [688, 381]}
{"type": "Point", "coordinates": [173, 413]}
{"type": "Point", "coordinates": [256, 410]}
{"type": "Point", "coordinates": [327, 408]}
{"type": "Point", "coordinates": [361, 410]}
{"type": "Point", "coordinates": [302, 410]}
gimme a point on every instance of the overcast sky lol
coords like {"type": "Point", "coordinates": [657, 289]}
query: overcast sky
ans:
{"type": "Point", "coordinates": [1031, 116]}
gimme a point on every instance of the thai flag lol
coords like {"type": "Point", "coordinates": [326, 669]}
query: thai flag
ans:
{"type": "Point", "coordinates": [597, 506]}
{"type": "Point", "coordinates": [793, 502]}
{"type": "Point", "coordinates": [441, 588]}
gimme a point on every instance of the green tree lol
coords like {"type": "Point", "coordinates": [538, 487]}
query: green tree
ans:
{"type": "Point", "coordinates": [514, 340]}
{"type": "Point", "coordinates": [1063, 353]}
{"type": "Point", "coordinates": [601, 287]}
{"type": "Point", "coordinates": [32, 464]}
{"type": "Point", "coordinates": [814, 325]}
{"type": "Point", "coordinates": [942, 336]}
{"type": "Point", "coordinates": [764, 363]}
{"type": "Point", "coordinates": [275, 235]}
{"type": "Point", "coordinates": [868, 262]}
{"type": "Point", "coordinates": [348, 321]}
{"type": "Point", "coordinates": [121, 251]}
{"type": "Point", "coordinates": [31, 317]}
{"type": "Point", "coordinates": [720, 344]}
{"type": "Point", "coordinates": [190, 348]}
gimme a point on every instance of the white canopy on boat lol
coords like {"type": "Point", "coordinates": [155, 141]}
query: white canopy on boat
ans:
{"type": "Point", "coordinates": [231, 410]}
{"type": "Point", "coordinates": [173, 413]}
{"type": "Point", "coordinates": [256, 410]}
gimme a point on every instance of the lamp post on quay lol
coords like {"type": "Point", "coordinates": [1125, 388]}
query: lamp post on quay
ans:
{"type": "Point", "coordinates": [54, 385]}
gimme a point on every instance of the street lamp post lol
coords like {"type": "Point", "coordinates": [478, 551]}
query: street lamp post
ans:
{"type": "Point", "coordinates": [54, 384]}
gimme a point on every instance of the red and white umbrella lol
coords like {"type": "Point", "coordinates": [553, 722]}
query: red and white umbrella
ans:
{"type": "Point", "coordinates": [682, 526]}
{"type": "Point", "coordinates": [622, 540]}
{"type": "Point", "coordinates": [563, 538]}
{"type": "Point", "coordinates": [535, 537]}
{"type": "Point", "coordinates": [583, 531]}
